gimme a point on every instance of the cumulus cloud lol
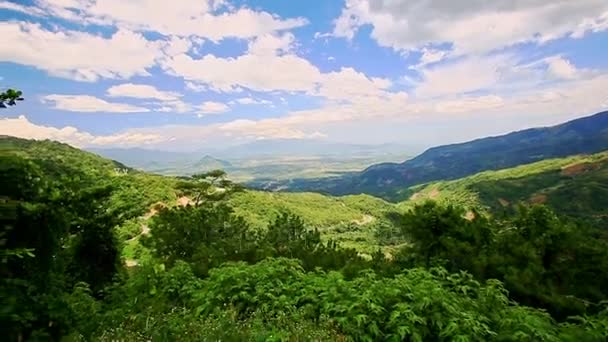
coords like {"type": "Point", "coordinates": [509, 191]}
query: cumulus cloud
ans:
{"type": "Point", "coordinates": [199, 18]}
{"type": "Point", "coordinates": [349, 84]}
{"type": "Point", "coordinates": [251, 101]}
{"type": "Point", "coordinates": [564, 99]}
{"type": "Point", "coordinates": [211, 107]}
{"type": "Point", "coordinates": [89, 104]}
{"type": "Point", "coordinates": [568, 98]}
{"type": "Point", "coordinates": [141, 91]}
{"type": "Point", "coordinates": [265, 129]}
{"type": "Point", "coordinates": [560, 67]}
{"type": "Point", "coordinates": [284, 73]}
{"type": "Point", "coordinates": [504, 72]}
{"type": "Point", "coordinates": [270, 45]}
{"type": "Point", "coordinates": [78, 55]}
{"type": "Point", "coordinates": [470, 26]}
{"type": "Point", "coordinates": [21, 127]}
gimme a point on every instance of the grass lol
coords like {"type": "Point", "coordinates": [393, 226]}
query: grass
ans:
{"type": "Point", "coordinates": [575, 186]}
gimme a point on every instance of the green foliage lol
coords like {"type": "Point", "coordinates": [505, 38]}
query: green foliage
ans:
{"type": "Point", "coordinates": [10, 97]}
{"type": "Point", "coordinates": [543, 261]}
{"type": "Point", "coordinates": [59, 218]}
{"type": "Point", "coordinates": [351, 220]}
{"type": "Point", "coordinates": [573, 186]}
{"type": "Point", "coordinates": [209, 186]}
{"type": "Point", "coordinates": [263, 266]}
{"type": "Point", "coordinates": [205, 235]}
{"type": "Point", "coordinates": [417, 305]}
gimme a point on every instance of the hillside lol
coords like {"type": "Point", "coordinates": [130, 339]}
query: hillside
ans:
{"type": "Point", "coordinates": [355, 216]}
{"type": "Point", "coordinates": [575, 186]}
{"type": "Point", "coordinates": [351, 220]}
{"type": "Point", "coordinates": [585, 135]}
{"type": "Point", "coordinates": [105, 252]}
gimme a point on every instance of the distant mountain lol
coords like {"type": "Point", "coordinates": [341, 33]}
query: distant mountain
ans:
{"type": "Point", "coordinates": [580, 136]}
{"type": "Point", "coordinates": [141, 157]}
{"type": "Point", "coordinates": [306, 148]}
{"type": "Point", "coordinates": [208, 163]}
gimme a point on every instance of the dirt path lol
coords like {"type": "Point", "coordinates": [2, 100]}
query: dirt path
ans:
{"type": "Point", "coordinates": [364, 220]}
{"type": "Point", "coordinates": [145, 229]}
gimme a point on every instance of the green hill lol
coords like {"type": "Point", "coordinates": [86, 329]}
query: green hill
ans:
{"type": "Point", "coordinates": [93, 250]}
{"type": "Point", "coordinates": [574, 186]}
{"type": "Point", "coordinates": [349, 219]}
{"type": "Point", "coordinates": [584, 135]}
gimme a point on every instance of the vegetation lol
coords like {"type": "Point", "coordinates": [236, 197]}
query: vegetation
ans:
{"type": "Point", "coordinates": [585, 135]}
{"type": "Point", "coordinates": [10, 97]}
{"type": "Point", "coordinates": [207, 271]}
{"type": "Point", "coordinates": [575, 186]}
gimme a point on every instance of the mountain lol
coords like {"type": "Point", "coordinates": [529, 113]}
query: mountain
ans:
{"type": "Point", "coordinates": [307, 148]}
{"type": "Point", "coordinates": [584, 135]}
{"type": "Point", "coordinates": [575, 186]}
{"type": "Point", "coordinates": [208, 163]}
{"type": "Point", "coordinates": [142, 158]}
{"type": "Point", "coordinates": [349, 219]}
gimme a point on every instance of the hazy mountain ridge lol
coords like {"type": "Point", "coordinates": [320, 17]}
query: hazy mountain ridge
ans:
{"type": "Point", "coordinates": [584, 135]}
{"type": "Point", "coordinates": [261, 160]}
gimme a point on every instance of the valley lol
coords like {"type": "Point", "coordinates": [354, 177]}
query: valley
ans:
{"type": "Point", "coordinates": [220, 242]}
{"type": "Point", "coordinates": [304, 171]}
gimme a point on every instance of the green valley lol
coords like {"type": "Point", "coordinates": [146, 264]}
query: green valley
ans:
{"type": "Point", "coordinates": [128, 255]}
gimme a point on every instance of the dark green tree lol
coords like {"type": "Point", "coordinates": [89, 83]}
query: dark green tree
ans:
{"type": "Point", "coordinates": [205, 235]}
{"type": "Point", "coordinates": [10, 97]}
{"type": "Point", "coordinates": [209, 186]}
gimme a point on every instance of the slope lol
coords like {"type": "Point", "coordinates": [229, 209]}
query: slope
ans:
{"type": "Point", "coordinates": [575, 186]}
{"type": "Point", "coordinates": [585, 135]}
{"type": "Point", "coordinates": [350, 219]}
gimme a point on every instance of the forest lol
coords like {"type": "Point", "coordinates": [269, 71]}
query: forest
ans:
{"type": "Point", "coordinates": [205, 271]}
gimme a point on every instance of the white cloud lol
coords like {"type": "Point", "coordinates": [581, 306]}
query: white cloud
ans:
{"type": "Point", "coordinates": [493, 73]}
{"type": "Point", "coordinates": [21, 127]}
{"type": "Point", "coordinates": [141, 91]}
{"type": "Point", "coordinates": [285, 73]}
{"type": "Point", "coordinates": [271, 45]}
{"type": "Point", "coordinates": [430, 56]}
{"type": "Point", "coordinates": [251, 101]}
{"type": "Point", "coordinates": [463, 75]}
{"type": "Point", "coordinates": [6, 5]}
{"type": "Point", "coordinates": [564, 99]}
{"type": "Point", "coordinates": [175, 106]}
{"type": "Point", "coordinates": [266, 129]}
{"type": "Point", "coordinates": [561, 68]}
{"type": "Point", "coordinates": [183, 18]}
{"type": "Point", "coordinates": [471, 26]}
{"type": "Point", "coordinates": [78, 55]}
{"type": "Point", "coordinates": [197, 87]}
{"type": "Point", "coordinates": [212, 107]}
{"type": "Point", "coordinates": [348, 84]}
{"type": "Point", "coordinates": [169, 101]}
{"type": "Point", "coordinates": [89, 104]}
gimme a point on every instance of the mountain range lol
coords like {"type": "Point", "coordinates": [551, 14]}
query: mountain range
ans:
{"type": "Point", "coordinates": [581, 136]}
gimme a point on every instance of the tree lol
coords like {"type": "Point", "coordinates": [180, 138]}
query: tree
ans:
{"type": "Point", "coordinates": [209, 186]}
{"type": "Point", "coordinates": [10, 97]}
{"type": "Point", "coordinates": [205, 235]}
{"type": "Point", "coordinates": [56, 215]}
{"type": "Point", "coordinates": [427, 225]}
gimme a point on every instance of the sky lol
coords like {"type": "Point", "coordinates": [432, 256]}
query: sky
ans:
{"type": "Point", "coordinates": [186, 74]}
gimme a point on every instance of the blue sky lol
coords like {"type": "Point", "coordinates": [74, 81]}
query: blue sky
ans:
{"type": "Point", "coordinates": [116, 73]}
